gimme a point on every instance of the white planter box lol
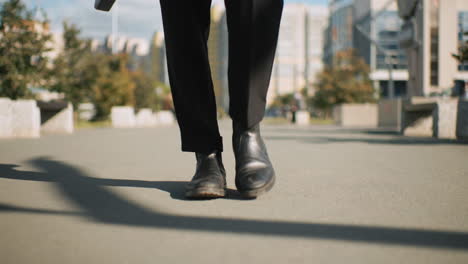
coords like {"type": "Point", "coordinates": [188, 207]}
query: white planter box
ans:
{"type": "Point", "coordinates": [356, 115]}
{"type": "Point", "coordinates": [26, 119]}
{"type": "Point", "coordinates": [123, 116]}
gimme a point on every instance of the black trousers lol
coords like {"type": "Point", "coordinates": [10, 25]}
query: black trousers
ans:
{"type": "Point", "coordinates": [253, 27]}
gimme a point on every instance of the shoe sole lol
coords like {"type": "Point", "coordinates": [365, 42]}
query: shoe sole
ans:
{"type": "Point", "coordinates": [205, 193]}
{"type": "Point", "coordinates": [252, 194]}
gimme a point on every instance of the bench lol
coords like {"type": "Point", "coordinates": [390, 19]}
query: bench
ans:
{"type": "Point", "coordinates": [417, 116]}
{"type": "Point", "coordinates": [435, 117]}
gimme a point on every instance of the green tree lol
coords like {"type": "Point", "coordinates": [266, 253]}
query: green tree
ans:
{"type": "Point", "coordinates": [114, 85]}
{"type": "Point", "coordinates": [23, 44]}
{"type": "Point", "coordinates": [345, 81]}
{"type": "Point", "coordinates": [71, 73]}
{"type": "Point", "coordinates": [283, 100]}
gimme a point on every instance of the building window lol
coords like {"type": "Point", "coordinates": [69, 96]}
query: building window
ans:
{"type": "Point", "coordinates": [434, 64]}
{"type": "Point", "coordinates": [399, 88]}
{"type": "Point", "coordinates": [387, 27]}
{"type": "Point", "coordinates": [463, 35]}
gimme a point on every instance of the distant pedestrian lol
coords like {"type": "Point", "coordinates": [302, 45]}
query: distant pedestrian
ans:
{"type": "Point", "coordinates": [293, 113]}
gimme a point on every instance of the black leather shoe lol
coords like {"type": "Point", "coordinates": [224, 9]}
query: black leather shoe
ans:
{"type": "Point", "coordinates": [254, 171]}
{"type": "Point", "coordinates": [209, 180]}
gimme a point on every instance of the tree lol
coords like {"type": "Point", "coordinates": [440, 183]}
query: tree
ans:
{"type": "Point", "coordinates": [145, 91]}
{"type": "Point", "coordinates": [23, 44]}
{"type": "Point", "coordinates": [114, 86]}
{"type": "Point", "coordinates": [71, 74]}
{"type": "Point", "coordinates": [285, 100]}
{"type": "Point", "coordinates": [100, 78]}
{"type": "Point", "coordinates": [345, 81]}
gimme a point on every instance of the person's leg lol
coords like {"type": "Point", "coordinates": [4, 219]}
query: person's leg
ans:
{"type": "Point", "coordinates": [186, 28]}
{"type": "Point", "coordinates": [253, 27]}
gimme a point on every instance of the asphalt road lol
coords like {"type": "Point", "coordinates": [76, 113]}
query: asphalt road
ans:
{"type": "Point", "coordinates": [342, 196]}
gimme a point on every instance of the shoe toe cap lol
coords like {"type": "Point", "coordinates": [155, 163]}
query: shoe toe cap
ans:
{"type": "Point", "coordinates": [254, 179]}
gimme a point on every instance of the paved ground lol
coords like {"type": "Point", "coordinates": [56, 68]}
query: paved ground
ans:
{"type": "Point", "coordinates": [342, 196]}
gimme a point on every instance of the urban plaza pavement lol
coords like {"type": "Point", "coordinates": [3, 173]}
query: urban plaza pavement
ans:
{"type": "Point", "coordinates": [342, 196]}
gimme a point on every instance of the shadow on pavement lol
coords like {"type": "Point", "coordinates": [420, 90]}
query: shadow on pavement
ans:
{"type": "Point", "coordinates": [398, 141]}
{"type": "Point", "coordinates": [174, 188]}
{"type": "Point", "coordinates": [103, 205]}
{"type": "Point", "coordinates": [385, 141]}
{"type": "Point", "coordinates": [330, 129]}
{"type": "Point", "coordinates": [318, 135]}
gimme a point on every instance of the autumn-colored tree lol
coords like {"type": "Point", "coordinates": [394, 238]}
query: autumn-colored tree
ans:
{"type": "Point", "coordinates": [114, 85]}
{"type": "Point", "coordinates": [345, 81]}
{"type": "Point", "coordinates": [148, 92]}
{"type": "Point", "coordinates": [86, 76]}
{"type": "Point", "coordinates": [23, 45]}
{"type": "Point", "coordinates": [145, 91]}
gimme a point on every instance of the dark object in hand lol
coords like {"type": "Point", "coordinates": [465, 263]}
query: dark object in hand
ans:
{"type": "Point", "coordinates": [103, 5]}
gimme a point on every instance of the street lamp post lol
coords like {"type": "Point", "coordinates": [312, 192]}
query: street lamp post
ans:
{"type": "Point", "coordinates": [388, 61]}
{"type": "Point", "coordinates": [306, 51]}
{"type": "Point", "coordinates": [115, 27]}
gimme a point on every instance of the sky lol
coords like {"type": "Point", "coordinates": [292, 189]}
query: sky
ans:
{"type": "Point", "coordinates": [137, 18]}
